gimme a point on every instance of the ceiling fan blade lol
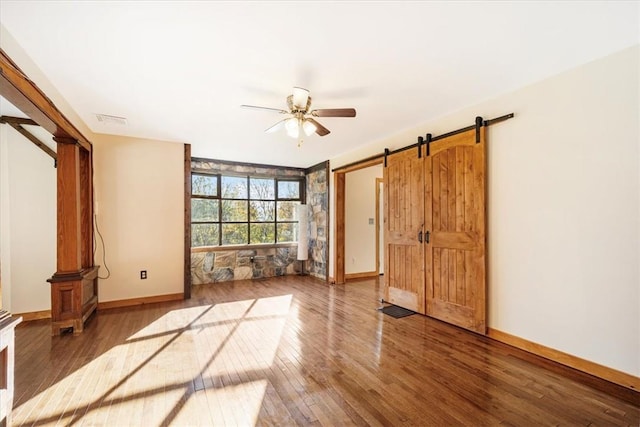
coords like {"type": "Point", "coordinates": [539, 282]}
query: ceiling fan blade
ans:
{"type": "Point", "coordinates": [276, 127]}
{"type": "Point", "coordinates": [320, 130]}
{"type": "Point", "coordinates": [300, 97]}
{"type": "Point", "coordinates": [281, 111]}
{"type": "Point", "coordinates": [334, 112]}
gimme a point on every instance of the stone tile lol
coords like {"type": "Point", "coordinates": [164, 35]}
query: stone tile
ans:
{"type": "Point", "coordinates": [222, 274]}
{"type": "Point", "coordinates": [208, 261]}
{"type": "Point", "coordinates": [243, 261]}
{"type": "Point", "coordinates": [196, 260]}
{"type": "Point", "coordinates": [225, 259]}
{"type": "Point", "coordinates": [243, 273]}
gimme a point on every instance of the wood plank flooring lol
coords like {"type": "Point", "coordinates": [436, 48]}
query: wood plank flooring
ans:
{"type": "Point", "coordinates": [293, 351]}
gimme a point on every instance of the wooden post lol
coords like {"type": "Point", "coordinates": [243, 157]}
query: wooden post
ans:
{"type": "Point", "coordinates": [69, 204]}
{"type": "Point", "coordinates": [74, 286]}
{"type": "Point", "coordinates": [339, 181]}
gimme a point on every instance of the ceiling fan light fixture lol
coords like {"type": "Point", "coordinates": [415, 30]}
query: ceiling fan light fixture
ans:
{"type": "Point", "coordinates": [308, 127]}
{"type": "Point", "coordinates": [292, 127]}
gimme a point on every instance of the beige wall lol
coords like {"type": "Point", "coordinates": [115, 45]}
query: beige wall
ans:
{"type": "Point", "coordinates": [139, 201]}
{"type": "Point", "coordinates": [360, 205]}
{"type": "Point", "coordinates": [27, 223]}
{"type": "Point", "coordinates": [563, 209]}
{"type": "Point", "coordinates": [139, 194]}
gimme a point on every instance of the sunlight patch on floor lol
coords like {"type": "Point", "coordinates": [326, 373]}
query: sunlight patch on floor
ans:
{"type": "Point", "coordinates": [184, 375]}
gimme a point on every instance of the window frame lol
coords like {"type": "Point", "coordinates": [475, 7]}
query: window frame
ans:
{"type": "Point", "coordinates": [276, 199]}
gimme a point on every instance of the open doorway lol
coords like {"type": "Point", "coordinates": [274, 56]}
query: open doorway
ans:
{"type": "Point", "coordinates": [343, 232]}
{"type": "Point", "coordinates": [361, 223]}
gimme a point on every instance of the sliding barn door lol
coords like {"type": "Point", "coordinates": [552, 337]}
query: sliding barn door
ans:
{"type": "Point", "coordinates": [404, 222]}
{"type": "Point", "coordinates": [455, 190]}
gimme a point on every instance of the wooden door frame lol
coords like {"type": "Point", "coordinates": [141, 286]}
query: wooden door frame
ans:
{"type": "Point", "coordinates": [339, 180]}
{"type": "Point", "coordinates": [378, 182]}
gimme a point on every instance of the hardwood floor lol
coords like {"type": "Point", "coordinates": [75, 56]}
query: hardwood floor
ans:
{"type": "Point", "coordinates": [293, 351]}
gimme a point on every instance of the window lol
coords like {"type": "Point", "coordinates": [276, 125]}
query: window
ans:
{"type": "Point", "coordinates": [243, 210]}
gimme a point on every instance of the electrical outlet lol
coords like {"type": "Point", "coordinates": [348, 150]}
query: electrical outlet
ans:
{"type": "Point", "coordinates": [143, 274]}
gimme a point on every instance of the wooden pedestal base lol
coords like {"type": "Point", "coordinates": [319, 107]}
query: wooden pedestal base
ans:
{"type": "Point", "coordinates": [73, 298]}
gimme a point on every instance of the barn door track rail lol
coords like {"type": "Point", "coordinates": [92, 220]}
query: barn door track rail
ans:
{"type": "Point", "coordinates": [429, 139]}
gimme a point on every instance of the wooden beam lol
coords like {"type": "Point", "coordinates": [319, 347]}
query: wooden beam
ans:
{"type": "Point", "coordinates": [17, 120]}
{"type": "Point", "coordinates": [26, 96]}
{"type": "Point", "coordinates": [41, 145]}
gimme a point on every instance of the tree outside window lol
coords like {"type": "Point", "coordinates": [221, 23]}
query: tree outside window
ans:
{"type": "Point", "coordinates": [243, 210]}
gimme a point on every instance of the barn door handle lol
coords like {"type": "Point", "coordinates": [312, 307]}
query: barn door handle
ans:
{"type": "Point", "coordinates": [420, 236]}
{"type": "Point", "coordinates": [427, 236]}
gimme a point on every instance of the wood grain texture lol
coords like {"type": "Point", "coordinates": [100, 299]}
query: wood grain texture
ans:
{"type": "Point", "coordinates": [456, 289]}
{"type": "Point", "coordinates": [293, 351]}
{"type": "Point", "coordinates": [34, 315]}
{"type": "Point", "coordinates": [74, 297]}
{"type": "Point", "coordinates": [339, 181]}
{"type": "Point", "coordinates": [86, 207]}
{"type": "Point", "coordinates": [404, 230]}
{"type": "Point", "coordinates": [379, 181]}
{"type": "Point", "coordinates": [106, 305]}
{"type": "Point", "coordinates": [362, 275]}
{"type": "Point", "coordinates": [69, 246]}
{"type": "Point", "coordinates": [25, 95]}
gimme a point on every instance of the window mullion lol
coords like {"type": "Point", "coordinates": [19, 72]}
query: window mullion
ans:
{"type": "Point", "coordinates": [219, 214]}
{"type": "Point", "coordinates": [248, 211]}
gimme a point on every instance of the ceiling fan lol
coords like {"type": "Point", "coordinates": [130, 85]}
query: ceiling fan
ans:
{"type": "Point", "coordinates": [301, 121]}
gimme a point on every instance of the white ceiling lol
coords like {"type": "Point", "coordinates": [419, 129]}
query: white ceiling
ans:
{"type": "Point", "coordinates": [179, 71]}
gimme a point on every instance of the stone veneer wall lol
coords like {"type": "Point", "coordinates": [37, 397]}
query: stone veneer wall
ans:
{"type": "Point", "coordinates": [318, 201]}
{"type": "Point", "coordinates": [222, 264]}
{"type": "Point", "coordinates": [225, 265]}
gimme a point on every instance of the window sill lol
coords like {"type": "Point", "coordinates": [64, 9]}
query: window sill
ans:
{"type": "Point", "coordinates": [242, 247]}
